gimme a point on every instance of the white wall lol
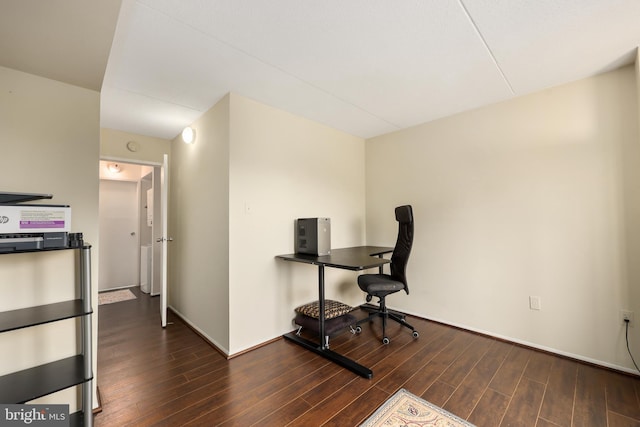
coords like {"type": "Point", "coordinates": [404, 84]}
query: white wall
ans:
{"type": "Point", "coordinates": [49, 135]}
{"type": "Point", "coordinates": [536, 196]}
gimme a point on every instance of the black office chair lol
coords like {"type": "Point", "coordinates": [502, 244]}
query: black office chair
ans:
{"type": "Point", "coordinates": [381, 285]}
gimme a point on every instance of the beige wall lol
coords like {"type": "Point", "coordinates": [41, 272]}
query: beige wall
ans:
{"type": "Point", "coordinates": [49, 134]}
{"type": "Point", "coordinates": [532, 197]}
{"type": "Point", "coordinates": [113, 145]}
{"type": "Point", "coordinates": [284, 167]}
{"type": "Point", "coordinates": [199, 225]}
{"type": "Point", "coordinates": [235, 194]}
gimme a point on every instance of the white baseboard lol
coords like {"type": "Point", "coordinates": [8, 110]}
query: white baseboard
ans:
{"type": "Point", "coordinates": [525, 343]}
{"type": "Point", "coordinates": [118, 288]}
{"type": "Point", "coordinates": [204, 335]}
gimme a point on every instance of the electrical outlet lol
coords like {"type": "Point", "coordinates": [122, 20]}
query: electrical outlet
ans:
{"type": "Point", "coordinates": [627, 315]}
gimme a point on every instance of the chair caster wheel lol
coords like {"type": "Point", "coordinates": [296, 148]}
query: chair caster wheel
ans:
{"type": "Point", "coordinates": [415, 334]}
{"type": "Point", "coordinates": [385, 340]}
{"type": "Point", "coordinates": [358, 329]}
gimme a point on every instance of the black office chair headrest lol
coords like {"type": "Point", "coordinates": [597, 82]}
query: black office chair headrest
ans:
{"type": "Point", "coordinates": [404, 214]}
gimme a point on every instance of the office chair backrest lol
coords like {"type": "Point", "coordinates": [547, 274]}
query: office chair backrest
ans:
{"type": "Point", "coordinates": [402, 250]}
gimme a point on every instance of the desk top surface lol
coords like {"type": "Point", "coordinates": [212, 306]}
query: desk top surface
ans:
{"type": "Point", "coordinates": [354, 258]}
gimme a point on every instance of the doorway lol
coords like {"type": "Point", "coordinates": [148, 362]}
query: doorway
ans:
{"type": "Point", "coordinates": [129, 206]}
{"type": "Point", "coordinates": [120, 235]}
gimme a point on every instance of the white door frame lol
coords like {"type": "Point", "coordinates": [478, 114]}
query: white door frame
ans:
{"type": "Point", "coordinates": [165, 239]}
{"type": "Point", "coordinates": [161, 231]}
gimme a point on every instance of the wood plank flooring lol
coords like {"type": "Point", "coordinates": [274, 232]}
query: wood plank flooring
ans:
{"type": "Point", "coordinates": [171, 377]}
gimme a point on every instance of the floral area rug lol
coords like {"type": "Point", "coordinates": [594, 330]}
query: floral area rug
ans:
{"type": "Point", "coordinates": [115, 296]}
{"type": "Point", "coordinates": [406, 409]}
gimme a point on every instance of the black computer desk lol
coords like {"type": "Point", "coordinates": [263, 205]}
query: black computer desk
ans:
{"type": "Point", "coordinates": [355, 258]}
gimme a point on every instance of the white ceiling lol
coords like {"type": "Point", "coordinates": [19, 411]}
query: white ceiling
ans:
{"type": "Point", "coordinates": [366, 67]}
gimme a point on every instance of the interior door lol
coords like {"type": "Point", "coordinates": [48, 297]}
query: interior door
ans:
{"type": "Point", "coordinates": [119, 245]}
{"type": "Point", "coordinates": [164, 187]}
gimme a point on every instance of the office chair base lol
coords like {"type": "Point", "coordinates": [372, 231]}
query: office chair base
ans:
{"type": "Point", "coordinates": [371, 308]}
{"type": "Point", "coordinates": [393, 315]}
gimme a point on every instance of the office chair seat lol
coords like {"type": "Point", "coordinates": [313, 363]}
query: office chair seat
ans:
{"type": "Point", "coordinates": [381, 285]}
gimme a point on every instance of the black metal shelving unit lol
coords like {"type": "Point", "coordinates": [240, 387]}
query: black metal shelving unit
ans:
{"type": "Point", "coordinates": [38, 381]}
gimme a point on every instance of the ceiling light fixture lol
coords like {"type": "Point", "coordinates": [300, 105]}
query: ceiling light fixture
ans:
{"type": "Point", "coordinates": [189, 135]}
{"type": "Point", "coordinates": [114, 168]}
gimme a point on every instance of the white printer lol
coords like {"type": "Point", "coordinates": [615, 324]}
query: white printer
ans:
{"type": "Point", "coordinates": [26, 226]}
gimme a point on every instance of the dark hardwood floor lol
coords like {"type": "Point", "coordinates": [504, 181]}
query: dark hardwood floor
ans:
{"type": "Point", "coordinates": [171, 377]}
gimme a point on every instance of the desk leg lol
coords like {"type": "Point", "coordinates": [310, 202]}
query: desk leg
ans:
{"type": "Point", "coordinates": [323, 349]}
{"type": "Point", "coordinates": [323, 343]}
{"type": "Point", "coordinates": [341, 360]}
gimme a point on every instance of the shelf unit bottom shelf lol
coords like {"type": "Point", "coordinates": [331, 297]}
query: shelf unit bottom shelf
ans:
{"type": "Point", "coordinates": [32, 383]}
